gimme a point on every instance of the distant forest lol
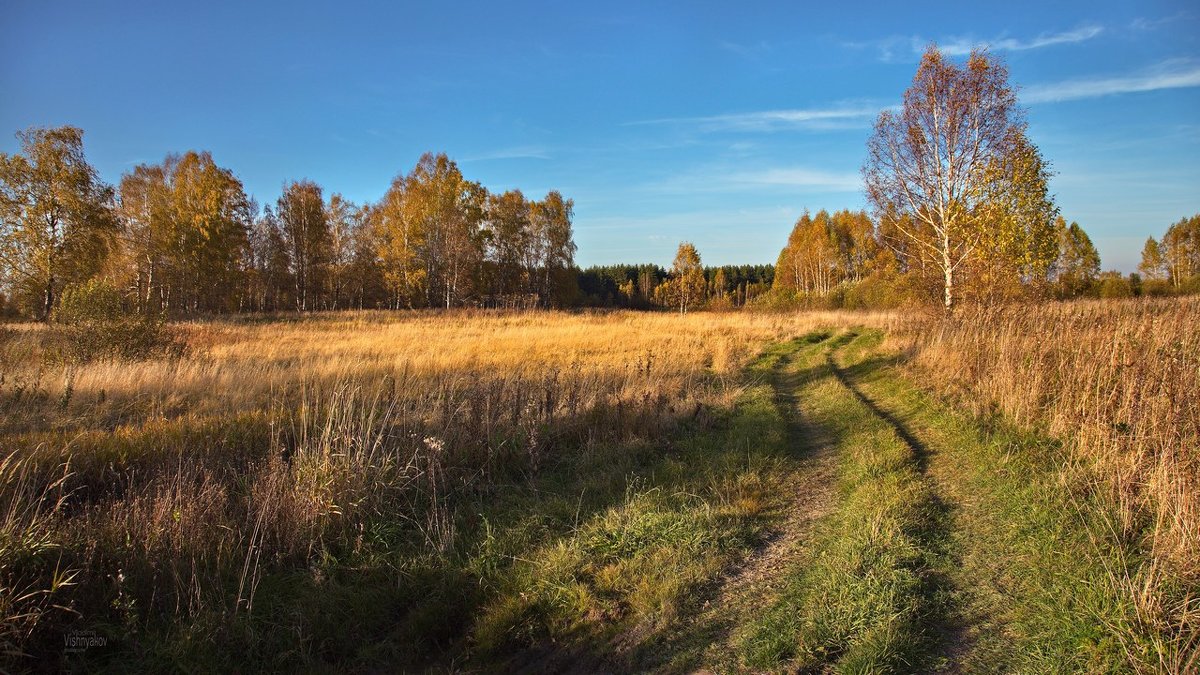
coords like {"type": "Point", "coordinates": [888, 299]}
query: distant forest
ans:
{"type": "Point", "coordinates": [181, 238]}
{"type": "Point", "coordinates": [644, 286]}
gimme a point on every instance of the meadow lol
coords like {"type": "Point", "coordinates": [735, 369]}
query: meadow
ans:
{"type": "Point", "coordinates": [611, 490]}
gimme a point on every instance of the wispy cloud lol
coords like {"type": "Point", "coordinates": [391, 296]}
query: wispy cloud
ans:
{"type": "Point", "coordinates": [685, 218]}
{"type": "Point", "coordinates": [800, 177]}
{"type": "Point", "coordinates": [1174, 74]}
{"type": "Point", "coordinates": [1147, 24]}
{"type": "Point", "coordinates": [906, 47]}
{"type": "Point", "coordinates": [892, 48]}
{"type": "Point", "coordinates": [962, 46]}
{"type": "Point", "coordinates": [840, 117]}
{"type": "Point", "coordinates": [787, 179]}
{"type": "Point", "coordinates": [746, 51]}
{"type": "Point", "coordinates": [519, 152]}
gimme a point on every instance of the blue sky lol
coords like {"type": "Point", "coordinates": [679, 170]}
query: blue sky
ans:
{"type": "Point", "coordinates": [717, 122]}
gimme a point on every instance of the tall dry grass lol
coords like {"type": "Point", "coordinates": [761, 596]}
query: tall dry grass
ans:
{"type": "Point", "coordinates": [159, 490]}
{"type": "Point", "coordinates": [239, 366]}
{"type": "Point", "coordinates": [142, 493]}
{"type": "Point", "coordinates": [1119, 383]}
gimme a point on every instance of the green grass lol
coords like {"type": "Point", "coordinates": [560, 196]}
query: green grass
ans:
{"type": "Point", "coordinates": [633, 571]}
{"type": "Point", "coordinates": [956, 542]}
{"type": "Point", "coordinates": [856, 604]}
{"type": "Point", "coordinates": [1035, 554]}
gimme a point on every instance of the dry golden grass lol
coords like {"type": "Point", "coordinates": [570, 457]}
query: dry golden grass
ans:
{"type": "Point", "coordinates": [276, 441]}
{"type": "Point", "coordinates": [1119, 383]}
{"type": "Point", "coordinates": [243, 366]}
{"type": "Point", "coordinates": [132, 492]}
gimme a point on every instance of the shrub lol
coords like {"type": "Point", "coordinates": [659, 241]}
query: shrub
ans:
{"type": "Point", "coordinates": [877, 291]}
{"type": "Point", "coordinates": [93, 321]}
{"type": "Point", "coordinates": [720, 303]}
{"type": "Point", "coordinates": [1156, 287]}
{"type": "Point", "coordinates": [1115, 286]}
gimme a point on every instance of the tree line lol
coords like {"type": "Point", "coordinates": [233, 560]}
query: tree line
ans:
{"type": "Point", "coordinates": [182, 237]}
{"type": "Point", "coordinates": [1173, 263]}
{"type": "Point", "coordinates": [846, 258]}
{"type": "Point", "coordinates": [649, 285]}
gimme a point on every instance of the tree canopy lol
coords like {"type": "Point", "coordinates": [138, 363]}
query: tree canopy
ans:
{"type": "Point", "coordinates": [181, 237]}
{"type": "Point", "coordinates": [57, 224]}
{"type": "Point", "coordinates": [953, 174]}
{"type": "Point", "coordinates": [686, 285]}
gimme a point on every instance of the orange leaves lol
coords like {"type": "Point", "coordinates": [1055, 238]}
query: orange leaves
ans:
{"type": "Point", "coordinates": [932, 162]}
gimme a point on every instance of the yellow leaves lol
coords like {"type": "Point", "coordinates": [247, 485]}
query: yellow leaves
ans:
{"type": "Point", "coordinates": [56, 220]}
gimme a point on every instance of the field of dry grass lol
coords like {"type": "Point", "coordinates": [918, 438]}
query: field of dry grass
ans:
{"type": "Point", "coordinates": [142, 496]}
{"type": "Point", "coordinates": [145, 490]}
{"type": "Point", "coordinates": [243, 366]}
{"type": "Point", "coordinates": [1118, 382]}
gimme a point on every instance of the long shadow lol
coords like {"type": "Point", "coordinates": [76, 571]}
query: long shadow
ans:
{"type": "Point", "coordinates": [949, 629]}
{"type": "Point", "coordinates": [590, 654]}
{"type": "Point", "coordinates": [802, 441]}
{"type": "Point", "coordinates": [785, 385]}
{"type": "Point", "coordinates": [920, 452]}
{"type": "Point", "coordinates": [946, 632]}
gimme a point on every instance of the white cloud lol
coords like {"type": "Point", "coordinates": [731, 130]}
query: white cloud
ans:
{"type": "Point", "coordinates": [1176, 74]}
{"type": "Point", "coordinates": [841, 117]}
{"type": "Point", "coordinates": [905, 47]}
{"type": "Point", "coordinates": [657, 224]}
{"type": "Point", "coordinates": [964, 46]}
{"type": "Point", "coordinates": [800, 177]}
{"type": "Point", "coordinates": [521, 152]}
{"type": "Point", "coordinates": [1146, 24]}
{"type": "Point", "coordinates": [726, 178]}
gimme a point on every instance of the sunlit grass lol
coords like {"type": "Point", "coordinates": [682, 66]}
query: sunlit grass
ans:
{"type": "Point", "coordinates": [275, 448]}
{"type": "Point", "coordinates": [452, 485]}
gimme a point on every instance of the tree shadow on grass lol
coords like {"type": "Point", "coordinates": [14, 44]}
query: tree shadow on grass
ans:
{"type": "Point", "coordinates": [949, 632]}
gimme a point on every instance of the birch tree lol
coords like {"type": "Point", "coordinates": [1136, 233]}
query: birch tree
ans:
{"type": "Point", "coordinates": [509, 236]}
{"type": "Point", "coordinates": [1181, 250]}
{"type": "Point", "coordinates": [934, 159]}
{"type": "Point", "coordinates": [399, 237]}
{"type": "Point", "coordinates": [552, 246]}
{"type": "Point", "coordinates": [305, 226]}
{"type": "Point", "coordinates": [185, 222]}
{"type": "Point", "coordinates": [344, 219]}
{"type": "Point", "coordinates": [1078, 263]}
{"type": "Point", "coordinates": [1152, 265]}
{"type": "Point", "coordinates": [56, 217]}
{"type": "Point", "coordinates": [687, 277]}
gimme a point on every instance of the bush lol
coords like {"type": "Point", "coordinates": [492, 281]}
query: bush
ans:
{"type": "Point", "coordinates": [1115, 286]}
{"type": "Point", "coordinates": [1156, 288]}
{"type": "Point", "coordinates": [720, 303]}
{"type": "Point", "coordinates": [779, 300]}
{"type": "Point", "coordinates": [93, 321]}
{"type": "Point", "coordinates": [879, 291]}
